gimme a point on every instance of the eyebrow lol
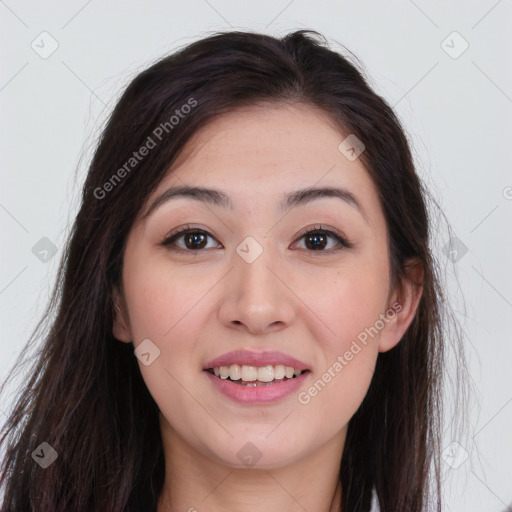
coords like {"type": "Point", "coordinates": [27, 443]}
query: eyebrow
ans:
{"type": "Point", "coordinates": [291, 200]}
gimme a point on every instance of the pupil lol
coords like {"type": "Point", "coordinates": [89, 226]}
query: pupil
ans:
{"type": "Point", "coordinates": [196, 241]}
{"type": "Point", "coordinates": [316, 239]}
{"type": "Point", "coordinates": [194, 237]}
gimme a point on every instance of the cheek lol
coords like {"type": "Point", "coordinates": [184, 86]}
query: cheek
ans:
{"type": "Point", "coordinates": [349, 309]}
{"type": "Point", "coordinates": [167, 309]}
{"type": "Point", "coordinates": [353, 301]}
{"type": "Point", "coordinates": [335, 394]}
{"type": "Point", "coordinates": [161, 302]}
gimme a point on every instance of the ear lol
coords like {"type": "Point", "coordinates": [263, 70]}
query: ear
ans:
{"type": "Point", "coordinates": [402, 306]}
{"type": "Point", "coordinates": [121, 328]}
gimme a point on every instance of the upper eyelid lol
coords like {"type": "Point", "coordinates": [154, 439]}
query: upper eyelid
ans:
{"type": "Point", "coordinates": [179, 233]}
{"type": "Point", "coordinates": [186, 229]}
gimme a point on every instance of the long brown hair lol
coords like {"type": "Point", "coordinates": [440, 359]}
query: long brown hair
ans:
{"type": "Point", "coordinates": [85, 395]}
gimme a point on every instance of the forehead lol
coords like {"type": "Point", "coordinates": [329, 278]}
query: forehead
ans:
{"type": "Point", "coordinates": [265, 151]}
{"type": "Point", "coordinates": [296, 139]}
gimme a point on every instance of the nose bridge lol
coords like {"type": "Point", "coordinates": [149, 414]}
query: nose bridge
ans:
{"type": "Point", "coordinates": [256, 297]}
{"type": "Point", "coordinates": [253, 269]}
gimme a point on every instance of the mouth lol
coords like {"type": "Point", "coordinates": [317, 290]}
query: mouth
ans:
{"type": "Point", "coordinates": [254, 376]}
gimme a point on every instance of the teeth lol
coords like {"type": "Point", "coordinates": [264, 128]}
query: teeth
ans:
{"type": "Point", "coordinates": [235, 372]}
{"type": "Point", "coordinates": [266, 374]}
{"type": "Point", "coordinates": [279, 371]}
{"type": "Point", "coordinates": [249, 373]}
{"type": "Point", "coordinates": [253, 373]}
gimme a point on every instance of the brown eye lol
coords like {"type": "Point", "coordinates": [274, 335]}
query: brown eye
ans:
{"type": "Point", "coordinates": [316, 241]}
{"type": "Point", "coordinates": [190, 240]}
{"type": "Point", "coordinates": [195, 240]}
{"type": "Point", "coordinates": [324, 240]}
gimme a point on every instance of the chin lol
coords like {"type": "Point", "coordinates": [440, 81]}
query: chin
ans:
{"type": "Point", "coordinates": [258, 450]}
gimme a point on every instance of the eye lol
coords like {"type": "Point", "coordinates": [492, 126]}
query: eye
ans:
{"type": "Point", "coordinates": [194, 239]}
{"type": "Point", "coordinates": [317, 239]}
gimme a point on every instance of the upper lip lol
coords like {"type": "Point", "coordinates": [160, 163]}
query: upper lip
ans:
{"type": "Point", "coordinates": [251, 358]}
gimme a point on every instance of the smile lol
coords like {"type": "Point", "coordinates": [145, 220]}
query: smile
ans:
{"type": "Point", "coordinates": [253, 376]}
{"type": "Point", "coordinates": [256, 392]}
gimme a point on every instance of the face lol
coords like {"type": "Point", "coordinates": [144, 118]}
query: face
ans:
{"type": "Point", "coordinates": [282, 279]}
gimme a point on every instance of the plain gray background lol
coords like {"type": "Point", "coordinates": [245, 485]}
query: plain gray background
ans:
{"type": "Point", "coordinates": [445, 67]}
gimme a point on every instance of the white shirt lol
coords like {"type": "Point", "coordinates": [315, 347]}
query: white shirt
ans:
{"type": "Point", "coordinates": [375, 502]}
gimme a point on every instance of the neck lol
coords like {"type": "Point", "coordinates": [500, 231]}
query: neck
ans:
{"type": "Point", "coordinates": [194, 481]}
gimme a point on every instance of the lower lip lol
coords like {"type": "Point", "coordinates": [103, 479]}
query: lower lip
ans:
{"type": "Point", "coordinates": [258, 394]}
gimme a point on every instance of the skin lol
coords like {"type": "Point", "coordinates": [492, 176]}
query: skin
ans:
{"type": "Point", "coordinates": [197, 305]}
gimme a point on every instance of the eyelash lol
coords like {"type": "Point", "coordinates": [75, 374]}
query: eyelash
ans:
{"type": "Point", "coordinates": [175, 235]}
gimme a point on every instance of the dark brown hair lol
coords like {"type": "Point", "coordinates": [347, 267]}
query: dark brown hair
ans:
{"type": "Point", "coordinates": [85, 395]}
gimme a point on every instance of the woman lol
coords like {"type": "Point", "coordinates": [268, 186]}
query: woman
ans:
{"type": "Point", "coordinates": [247, 311]}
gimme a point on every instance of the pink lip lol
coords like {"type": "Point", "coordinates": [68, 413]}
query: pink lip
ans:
{"type": "Point", "coordinates": [248, 358]}
{"type": "Point", "coordinates": [258, 395]}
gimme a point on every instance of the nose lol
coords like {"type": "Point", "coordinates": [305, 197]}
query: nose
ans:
{"type": "Point", "coordinates": [257, 299]}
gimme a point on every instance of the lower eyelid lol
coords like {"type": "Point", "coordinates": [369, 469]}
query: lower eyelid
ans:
{"type": "Point", "coordinates": [170, 242]}
{"type": "Point", "coordinates": [337, 240]}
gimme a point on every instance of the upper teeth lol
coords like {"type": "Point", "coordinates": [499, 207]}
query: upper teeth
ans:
{"type": "Point", "coordinates": [252, 373]}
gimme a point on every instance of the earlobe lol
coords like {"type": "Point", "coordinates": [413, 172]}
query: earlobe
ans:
{"type": "Point", "coordinates": [120, 329]}
{"type": "Point", "coordinates": [404, 302]}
